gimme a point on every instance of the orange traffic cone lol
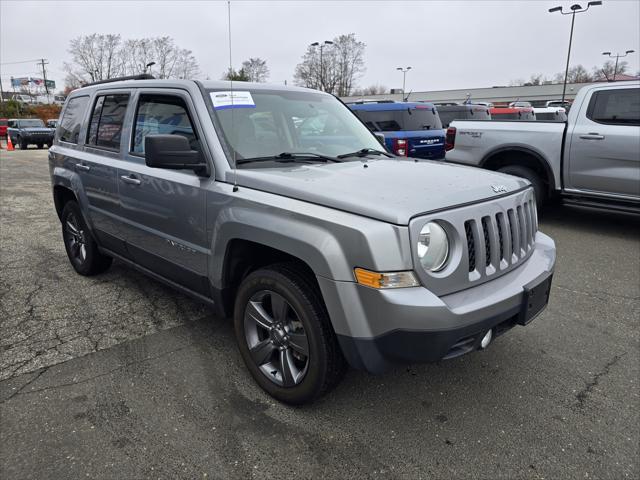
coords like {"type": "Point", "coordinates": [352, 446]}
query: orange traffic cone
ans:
{"type": "Point", "coordinates": [9, 144]}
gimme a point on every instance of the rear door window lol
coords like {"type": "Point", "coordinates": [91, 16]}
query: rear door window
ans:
{"type": "Point", "coordinates": [72, 117]}
{"type": "Point", "coordinates": [107, 119]}
{"type": "Point", "coordinates": [162, 114]}
{"type": "Point", "coordinates": [615, 107]}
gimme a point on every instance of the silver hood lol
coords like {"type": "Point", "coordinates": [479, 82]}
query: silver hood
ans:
{"type": "Point", "coordinates": [390, 190]}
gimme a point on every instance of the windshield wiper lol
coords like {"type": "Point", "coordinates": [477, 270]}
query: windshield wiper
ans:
{"type": "Point", "coordinates": [290, 157]}
{"type": "Point", "coordinates": [364, 152]}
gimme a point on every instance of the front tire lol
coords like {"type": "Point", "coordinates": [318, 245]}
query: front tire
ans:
{"type": "Point", "coordinates": [285, 335]}
{"type": "Point", "coordinates": [23, 144]}
{"type": "Point", "coordinates": [40, 146]}
{"type": "Point", "coordinates": [81, 248]}
{"type": "Point", "coordinates": [535, 180]}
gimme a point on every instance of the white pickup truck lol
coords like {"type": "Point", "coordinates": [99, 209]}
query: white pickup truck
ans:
{"type": "Point", "coordinates": [593, 158]}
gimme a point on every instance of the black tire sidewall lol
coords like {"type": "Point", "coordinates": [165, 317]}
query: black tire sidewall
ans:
{"type": "Point", "coordinates": [91, 263]}
{"type": "Point", "coordinates": [533, 177]}
{"type": "Point", "coordinates": [309, 313]}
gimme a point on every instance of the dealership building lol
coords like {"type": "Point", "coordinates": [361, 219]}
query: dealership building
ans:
{"type": "Point", "coordinates": [538, 95]}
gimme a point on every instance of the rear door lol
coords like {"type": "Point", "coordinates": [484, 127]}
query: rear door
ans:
{"type": "Point", "coordinates": [96, 163]}
{"type": "Point", "coordinates": [164, 210]}
{"type": "Point", "coordinates": [604, 155]}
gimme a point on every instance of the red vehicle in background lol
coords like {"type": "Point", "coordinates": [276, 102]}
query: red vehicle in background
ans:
{"type": "Point", "coordinates": [512, 113]}
{"type": "Point", "coordinates": [3, 127]}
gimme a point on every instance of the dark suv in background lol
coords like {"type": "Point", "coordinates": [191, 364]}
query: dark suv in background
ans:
{"type": "Point", "coordinates": [449, 112]}
{"type": "Point", "coordinates": [410, 129]}
{"type": "Point", "coordinates": [29, 131]}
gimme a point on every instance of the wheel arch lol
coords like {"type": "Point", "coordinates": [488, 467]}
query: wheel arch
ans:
{"type": "Point", "coordinates": [242, 257]}
{"type": "Point", "coordinates": [521, 156]}
{"type": "Point", "coordinates": [62, 195]}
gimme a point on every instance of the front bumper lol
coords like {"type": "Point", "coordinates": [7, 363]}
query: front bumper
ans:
{"type": "Point", "coordinates": [379, 328]}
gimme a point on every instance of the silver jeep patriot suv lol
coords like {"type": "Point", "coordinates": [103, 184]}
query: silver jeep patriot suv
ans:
{"type": "Point", "coordinates": [278, 207]}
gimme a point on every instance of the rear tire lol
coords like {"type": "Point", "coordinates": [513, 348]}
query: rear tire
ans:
{"type": "Point", "coordinates": [40, 146]}
{"type": "Point", "coordinates": [535, 180]}
{"type": "Point", "coordinates": [291, 320]}
{"type": "Point", "coordinates": [81, 248]}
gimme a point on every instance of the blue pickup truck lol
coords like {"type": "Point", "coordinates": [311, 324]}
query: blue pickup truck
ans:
{"type": "Point", "coordinates": [411, 129]}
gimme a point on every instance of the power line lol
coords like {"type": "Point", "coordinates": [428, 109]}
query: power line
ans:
{"type": "Point", "coordinates": [23, 61]}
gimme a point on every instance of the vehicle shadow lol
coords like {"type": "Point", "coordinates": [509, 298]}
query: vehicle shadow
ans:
{"type": "Point", "coordinates": [590, 220]}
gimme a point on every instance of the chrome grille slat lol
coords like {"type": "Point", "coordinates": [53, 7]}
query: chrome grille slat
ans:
{"type": "Point", "coordinates": [498, 241]}
{"type": "Point", "coordinates": [522, 231]}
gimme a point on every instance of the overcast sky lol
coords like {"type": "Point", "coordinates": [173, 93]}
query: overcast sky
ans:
{"type": "Point", "coordinates": [454, 44]}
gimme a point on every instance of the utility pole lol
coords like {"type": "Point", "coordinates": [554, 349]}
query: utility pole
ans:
{"type": "Point", "coordinates": [44, 75]}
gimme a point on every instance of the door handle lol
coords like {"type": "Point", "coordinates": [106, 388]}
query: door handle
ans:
{"type": "Point", "coordinates": [592, 136]}
{"type": "Point", "coordinates": [130, 179]}
{"type": "Point", "coordinates": [84, 168]}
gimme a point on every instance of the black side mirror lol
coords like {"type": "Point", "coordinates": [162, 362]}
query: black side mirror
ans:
{"type": "Point", "coordinates": [380, 137]}
{"type": "Point", "coordinates": [173, 152]}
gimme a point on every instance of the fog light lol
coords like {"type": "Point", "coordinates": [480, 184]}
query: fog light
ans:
{"type": "Point", "coordinates": [486, 340]}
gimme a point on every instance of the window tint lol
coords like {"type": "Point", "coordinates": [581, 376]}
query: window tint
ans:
{"type": "Point", "coordinates": [3, 123]}
{"type": "Point", "coordinates": [71, 122]}
{"type": "Point", "coordinates": [162, 114]}
{"type": "Point", "coordinates": [615, 107]}
{"type": "Point", "coordinates": [105, 129]}
{"type": "Point", "coordinates": [410, 119]}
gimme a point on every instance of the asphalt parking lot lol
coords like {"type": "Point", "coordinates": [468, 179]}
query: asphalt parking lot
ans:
{"type": "Point", "coordinates": [117, 376]}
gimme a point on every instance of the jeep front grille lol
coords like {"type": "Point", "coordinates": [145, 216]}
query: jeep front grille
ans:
{"type": "Point", "coordinates": [506, 239]}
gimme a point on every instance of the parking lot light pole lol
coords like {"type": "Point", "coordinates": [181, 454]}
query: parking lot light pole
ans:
{"type": "Point", "coordinates": [617, 56]}
{"type": "Point", "coordinates": [404, 77]}
{"type": "Point", "coordinates": [321, 45]}
{"type": "Point", "coordinates": [575, 8]}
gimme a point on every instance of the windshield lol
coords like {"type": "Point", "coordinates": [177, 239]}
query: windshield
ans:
{"type": "Point", "coordinates": [269, 122]}
{"type": "Point", "coordinates": [31, 123]}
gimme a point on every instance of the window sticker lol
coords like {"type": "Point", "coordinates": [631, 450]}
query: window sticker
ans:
{"type": "Point", "coordinates": [235, 99]}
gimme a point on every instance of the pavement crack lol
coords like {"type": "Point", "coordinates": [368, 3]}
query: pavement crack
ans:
{"type": "Point", "coordinates": [21, 391]}
{"type": "Point", "coordinates": [583, 395]}
{"type": "Point", "coordinates": [601, 295]}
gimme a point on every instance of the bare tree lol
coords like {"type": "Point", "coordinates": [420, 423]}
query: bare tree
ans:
{"type": "Point", "coordinates": [608, 70]}
{"type": "Point", "coordinates": [136, 54]}
{"type": "Point", "coordinates": [100, 57]}
{"type": "Point", "coordinates": [186, 66]}
{"type": "Point", "coordinates": [256, 69]}
{"type": "Point", "coordinates": [370, 90]}
{"type": "Point", "coordinates": [334, 68]}
{"type": "Point", "coordinates": [166, 56]}
{"type": "Point", "coordinates": [349, 62]}
{"type": "Point", "coordinates": [94, 57]}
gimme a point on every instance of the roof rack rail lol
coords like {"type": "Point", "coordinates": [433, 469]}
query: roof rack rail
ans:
{"type": "Point", "coordinates": [141, 76]}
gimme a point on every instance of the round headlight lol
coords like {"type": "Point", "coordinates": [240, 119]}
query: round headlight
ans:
{"type": "Point", "coordinates": [433, 247]}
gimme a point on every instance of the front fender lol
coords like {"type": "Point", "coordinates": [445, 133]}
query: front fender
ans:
{"type": "Point", "coordinates": [329, 241]}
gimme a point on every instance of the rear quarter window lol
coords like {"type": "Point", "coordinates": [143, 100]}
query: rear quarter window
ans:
{"type": "Point", "coordinates": [71, 122]}
{"type": "Point", "coordinates": [615, 107]}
